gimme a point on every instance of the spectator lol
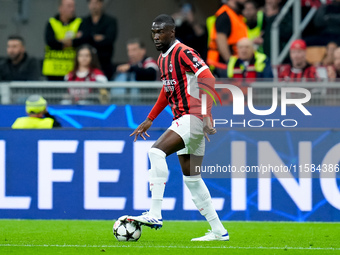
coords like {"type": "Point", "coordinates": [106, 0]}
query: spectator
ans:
{"type": "Point", "coordinates": [225, 28]}
{"type": "Point", "coordinates": [38, 116]}
{"type": "Point", "coordinates": [61, 36]}
{"type": "Point", "coordinates": [254, 21]}
{"type": "Point", "coordinates": [140, 66]}
{"type": "Point", "coordinates": [329, 56]}
{"type": "Point", "coordinates": [249, 63]}
{"type": "Point", "coordinates": [100, 31]}
{"type": "Point", "coordinates": [334, 70]}
{"type": "Point", "coordinates": [271, 10]}
{"type": "Point", "coordinates": [300, 69]}
{"type": "Point", "coordinates": [86, 68]}
{"type": "Point", "coordinates": [306, 6]}
{"type": "Point", "coordinates": [327, 21]}
{"type": "Point", "coordinates": [18, 66]}
{"type": "Point", "coordinates": [189, 31]}
{"type": "Point", "coordinates": [313, 3]}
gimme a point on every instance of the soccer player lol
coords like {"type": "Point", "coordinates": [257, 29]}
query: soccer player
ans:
{"type": "Point", "coordinates": [180, 67]}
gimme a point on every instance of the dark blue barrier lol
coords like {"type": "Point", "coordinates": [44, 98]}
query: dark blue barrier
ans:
{"type": "Point", "coordinates": [102, 174]}
{"type": "Point", "coordinates": [131, 116]}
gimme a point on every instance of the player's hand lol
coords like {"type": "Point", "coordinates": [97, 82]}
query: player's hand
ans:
{"type": "Point", "coordinates": [141, 129]}
{"type": "Point", "coordinates": [208, 128]}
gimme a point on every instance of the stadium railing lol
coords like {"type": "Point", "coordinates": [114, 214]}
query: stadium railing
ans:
{"type": "Point", "coordinates": [97, 93]}
{"type": "Point", "coordinates": [146, 93]}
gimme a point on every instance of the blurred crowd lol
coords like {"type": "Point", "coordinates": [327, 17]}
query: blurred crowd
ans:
{"type": "Point", "coordinates": [235, 42]}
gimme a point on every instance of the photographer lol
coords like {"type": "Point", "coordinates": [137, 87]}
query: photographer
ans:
{"type": "Point", "coordinates": [38, 116]}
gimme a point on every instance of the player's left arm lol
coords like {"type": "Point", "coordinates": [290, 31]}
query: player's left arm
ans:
{"type": "Point", "coordinates": [206, 81]}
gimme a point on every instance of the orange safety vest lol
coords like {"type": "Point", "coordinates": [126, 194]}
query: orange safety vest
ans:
{"type": "Point", "coordinates": [238, 31]}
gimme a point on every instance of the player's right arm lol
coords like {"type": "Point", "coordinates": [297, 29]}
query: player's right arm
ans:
{"type": "Point", "coordinates": [161, 103]}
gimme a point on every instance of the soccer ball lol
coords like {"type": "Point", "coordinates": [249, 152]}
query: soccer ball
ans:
{"type": "Point", "coordinates": [125, 230]}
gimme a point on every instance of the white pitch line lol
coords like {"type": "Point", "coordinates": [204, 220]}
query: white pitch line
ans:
{"type": "Point", "coordinates": [170, 246]}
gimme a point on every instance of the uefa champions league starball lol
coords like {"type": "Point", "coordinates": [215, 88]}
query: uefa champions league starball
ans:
{"type": "Point", "coordinates": [125, 230]}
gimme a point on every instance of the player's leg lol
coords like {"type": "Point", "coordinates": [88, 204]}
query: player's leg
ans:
{"type": "Point", "coordinates": [199, 191]}
{"type": "Point", "coordinates": [201, 197]}
{"type": "Point", "coordinates": [168, 143]}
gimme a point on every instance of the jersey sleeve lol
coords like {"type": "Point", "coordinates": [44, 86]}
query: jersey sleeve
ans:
{"type": "Point", "coordinates": [161, 103]}
{"type": "Point", "coordinates": [206, 81]}
{"type": "Point", "coordinates": [193, 61]}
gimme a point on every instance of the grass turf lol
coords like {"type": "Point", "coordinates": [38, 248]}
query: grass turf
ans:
{"type": "Point", "coordinates": [95, 237]}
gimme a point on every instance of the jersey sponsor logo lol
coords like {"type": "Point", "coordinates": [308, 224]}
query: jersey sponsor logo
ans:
{"type": "Point", "coordinates": [169, 82]}
{"type": "Point", "coordinates": [169, 88]}
{"type": "Point", "coordinates": [169, 85]}
{"type": "Point", "coordinates": [199, 63]}
{"type": "Point", "coordinates": [196, 65]}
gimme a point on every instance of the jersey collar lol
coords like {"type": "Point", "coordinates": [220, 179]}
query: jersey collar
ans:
{"type": "Point", "coordinates": [170, 49]}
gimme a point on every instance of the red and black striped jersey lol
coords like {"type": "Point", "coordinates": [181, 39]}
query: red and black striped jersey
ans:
{"type": "Point", "coordinates": [179, 68]}
{"type": "Point", "coordinates": [290, 74]}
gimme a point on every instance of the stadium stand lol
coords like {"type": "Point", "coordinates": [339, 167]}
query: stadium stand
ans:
{"type": "Point", "coordinates": [12, 91]}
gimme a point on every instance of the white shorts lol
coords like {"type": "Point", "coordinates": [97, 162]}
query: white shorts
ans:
{"type": "Point", "coordinates": [190, 129]}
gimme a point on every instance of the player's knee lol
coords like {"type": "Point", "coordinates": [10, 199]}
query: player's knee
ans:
{"type": "Point", "coordinates": [193, 183]}
{"type": "Point", "coordinates": [159, 169]}
{"type": "Point", "coordinates": [197, 187]}
{"type": "Point", "coordinates": [192, 180]}
{"type": "Point", "coordinates": [155, 153]}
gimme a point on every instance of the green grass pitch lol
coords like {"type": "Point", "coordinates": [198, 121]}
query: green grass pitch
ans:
{"type": "Point", "coordinates": [95, 237]}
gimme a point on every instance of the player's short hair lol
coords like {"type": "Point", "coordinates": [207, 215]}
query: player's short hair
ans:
{"type": "Point", "coordinates": [136, 40]}
{"type": "Point", "coordinates": [164, 18]}
{"type": "Point", "coordinates": [16, 37]}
